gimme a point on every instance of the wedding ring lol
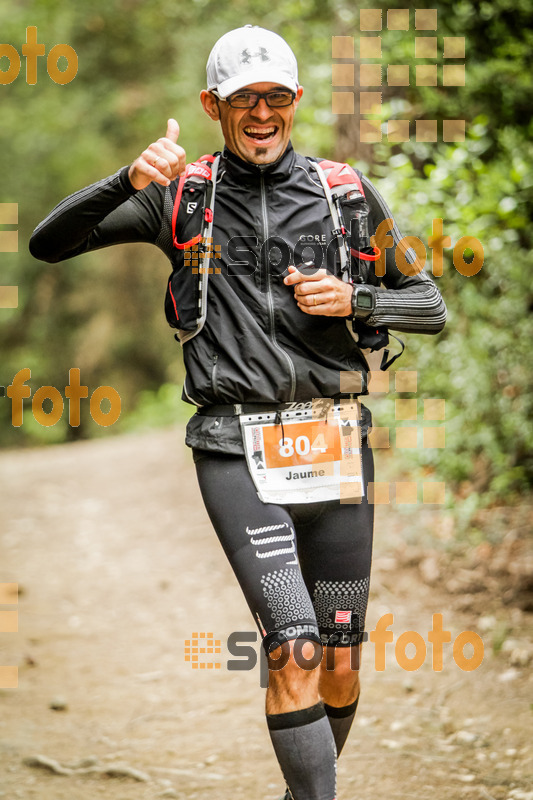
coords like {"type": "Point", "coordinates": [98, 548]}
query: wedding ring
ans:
{"type": "Point", "coordinates": [154, 163]}
{"type": "Point", "coordinates": [314, 299]}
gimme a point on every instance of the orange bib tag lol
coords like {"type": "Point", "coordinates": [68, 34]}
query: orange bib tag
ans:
{"type": "Point", "coordinates": [311, 455]}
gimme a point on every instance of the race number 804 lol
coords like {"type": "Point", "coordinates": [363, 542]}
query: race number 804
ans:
{"type": "Point", "coordinates": [309, 442]}
{"type": "Point", "coordinates": [302, 445]}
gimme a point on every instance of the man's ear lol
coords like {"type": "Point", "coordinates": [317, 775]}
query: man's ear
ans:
{"type": "Point", "coordinates": [210, 104]}
{"type": "Point", "coordinates": [299, 93]}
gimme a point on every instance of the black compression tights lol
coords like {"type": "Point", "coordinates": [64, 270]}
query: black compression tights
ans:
{"type": "Point", "coordinates": [304, 568]}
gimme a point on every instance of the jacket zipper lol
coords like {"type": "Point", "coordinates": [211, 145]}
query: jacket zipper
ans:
{"type": "Point", "coordinates": [214, 372]}
{"type": "Point", "coordinates": [270, 299]}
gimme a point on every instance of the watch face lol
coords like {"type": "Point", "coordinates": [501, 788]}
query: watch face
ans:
{"type": "Point", "coordinates": [364, 300]}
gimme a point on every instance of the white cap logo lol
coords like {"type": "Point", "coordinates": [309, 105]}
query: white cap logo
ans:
{"type": "Point", "coordinates": [246, 56]}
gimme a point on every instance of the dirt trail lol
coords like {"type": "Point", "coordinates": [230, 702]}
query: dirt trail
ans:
{"type": "Point", "coordinates": [118, 566]}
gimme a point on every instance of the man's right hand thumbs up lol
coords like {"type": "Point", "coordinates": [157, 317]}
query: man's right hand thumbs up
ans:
{"type": "Point", "coordinates": [162, 161]}
{"type": "Point", "coordinates": [173, 130]}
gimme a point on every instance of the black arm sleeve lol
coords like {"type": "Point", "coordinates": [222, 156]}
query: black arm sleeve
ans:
{"type": "Point", "coordinates": [108, 212]}
{"type": "Point", "coordinates": [410, 303]}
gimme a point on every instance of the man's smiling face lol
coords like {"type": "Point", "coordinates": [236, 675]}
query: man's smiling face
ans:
{"type": "Point", "coordinates": [258, 135]}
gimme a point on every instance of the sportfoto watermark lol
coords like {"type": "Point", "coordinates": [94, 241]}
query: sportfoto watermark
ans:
{"type": "Point", "coordinates": [75, 392]}
{"type": "Point", "coordinates": [243, 255]}
{"type": "Point", "coordinates": [436, 242]}
{"type": "Point", "coordinates": [245, 656]}
{"type": "Point", "coordinates": [31, 50]}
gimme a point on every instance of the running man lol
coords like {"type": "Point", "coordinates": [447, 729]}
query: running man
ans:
{"type": "Point", "coordinates": [264, 342]}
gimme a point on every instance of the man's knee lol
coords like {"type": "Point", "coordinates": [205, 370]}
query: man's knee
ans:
{"type": "Point", "coordinates": [344, 661]}
{"type": "Point", "coordinates": [339, 682]}
{"type": "Point", "coordinates": [295, 660]}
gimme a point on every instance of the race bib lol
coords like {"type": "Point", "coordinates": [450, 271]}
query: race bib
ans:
{"type": "Point", "coordinates": [308, 455]}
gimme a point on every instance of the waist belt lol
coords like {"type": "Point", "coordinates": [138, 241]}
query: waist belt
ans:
{"type": "Point", "coordinates": [236, 409]}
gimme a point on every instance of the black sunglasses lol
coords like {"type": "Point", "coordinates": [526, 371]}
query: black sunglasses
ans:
{"type": "Point", "coordinates": [276, 98]}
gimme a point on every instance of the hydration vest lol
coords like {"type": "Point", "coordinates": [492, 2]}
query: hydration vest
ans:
{"type": "Point", "coordinates": [193, 205]}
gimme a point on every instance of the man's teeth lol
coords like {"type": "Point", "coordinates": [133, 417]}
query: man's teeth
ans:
{"type": "Point", "coordinates": [259, 133]}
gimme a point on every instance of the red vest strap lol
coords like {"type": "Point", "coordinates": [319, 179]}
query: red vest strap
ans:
{"type": "Point", "coordinates": [339, 174]}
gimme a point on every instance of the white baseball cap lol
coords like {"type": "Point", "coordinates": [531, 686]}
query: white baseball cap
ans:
{"type": "Point", "coordinates": [250, 55]}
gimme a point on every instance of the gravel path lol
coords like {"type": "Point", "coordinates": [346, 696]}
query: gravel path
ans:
{"type": "Point", "coordinates": [118, 567]}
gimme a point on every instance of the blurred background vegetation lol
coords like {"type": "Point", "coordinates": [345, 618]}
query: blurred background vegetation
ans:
{"type": "Point", "coordinates": [141, 61]}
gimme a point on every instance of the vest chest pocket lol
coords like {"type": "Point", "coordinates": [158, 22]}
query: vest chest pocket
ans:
{"type": "Point", "coordinates": [182, 291]}
{"type": "Point", "coordinates": [192, 229]}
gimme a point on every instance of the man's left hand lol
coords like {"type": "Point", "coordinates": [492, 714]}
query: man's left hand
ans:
{"type": "Point", "coordinates": [320, 293]}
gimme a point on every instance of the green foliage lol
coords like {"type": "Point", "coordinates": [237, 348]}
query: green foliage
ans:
{"type": "Point", "coordinates": [157, 409]}
{"type": "Point", "coordinates": [481, 364]}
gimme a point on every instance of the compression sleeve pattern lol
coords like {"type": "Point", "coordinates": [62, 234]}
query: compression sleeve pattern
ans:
{"type": "Point", "coordinates": [417, 309]}
{"type": "Point", "coordinates": [407, 303]}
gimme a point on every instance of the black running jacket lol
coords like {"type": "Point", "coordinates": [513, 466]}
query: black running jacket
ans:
{"type": "Point", "coordinates": [256, 345]}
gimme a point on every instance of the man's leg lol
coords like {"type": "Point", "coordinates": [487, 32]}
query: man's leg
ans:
{"type": "Point", "coordinates": [339, 688]}
{"type": "Point", "coordinates": [260, 542]}
{"type": "Point", "coordinates": [335, 546]}
{"type": "Point", "coordinates": [298, 724]}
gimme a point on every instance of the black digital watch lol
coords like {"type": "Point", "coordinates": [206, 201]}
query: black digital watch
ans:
{"type": "Point", "coordinates": [363, 302]}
